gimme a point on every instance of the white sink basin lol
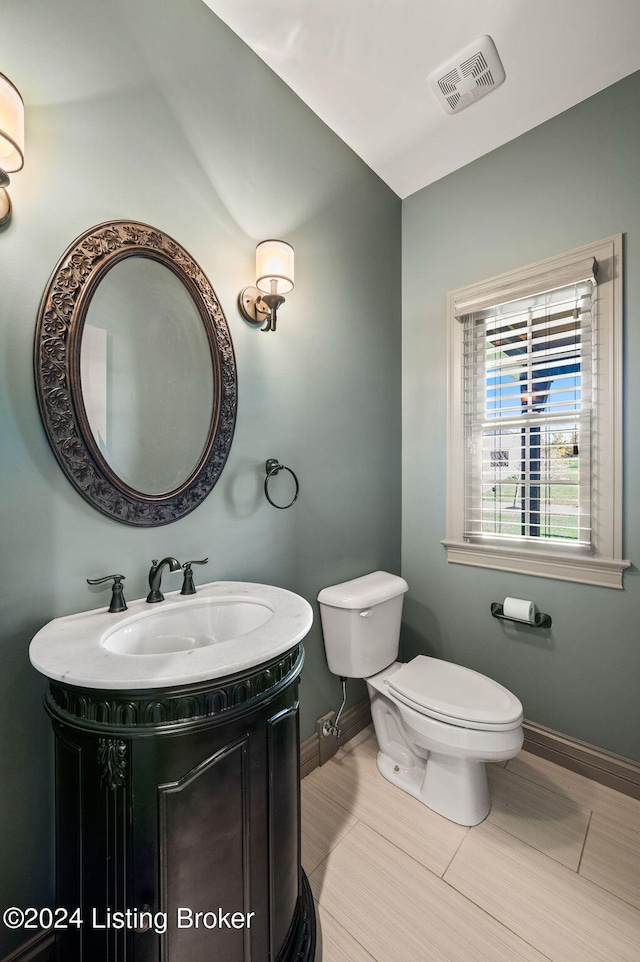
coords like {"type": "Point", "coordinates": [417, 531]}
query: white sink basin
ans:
{"type": "Point", "coordinates": [182, 628]}
{"type": "Point", "coordinates": [225, 628]}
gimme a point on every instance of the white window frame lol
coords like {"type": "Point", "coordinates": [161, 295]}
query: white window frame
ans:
{"type": "Point", "coordinates": [602, 564]}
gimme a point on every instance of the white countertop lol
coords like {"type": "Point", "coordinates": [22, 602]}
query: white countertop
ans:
{"type": "Point", "coordinates": [72, 649]}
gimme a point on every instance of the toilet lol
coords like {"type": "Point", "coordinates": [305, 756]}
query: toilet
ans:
{"type": "Point", "coordinates": [436, 723]}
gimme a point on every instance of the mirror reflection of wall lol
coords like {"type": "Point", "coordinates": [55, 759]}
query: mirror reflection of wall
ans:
{"type": "Point", "coordinates": [93, 374]}
{"type": "Point", "coordinates": [147, 377]}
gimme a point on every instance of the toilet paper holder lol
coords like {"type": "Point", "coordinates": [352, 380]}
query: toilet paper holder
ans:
{"type": "Point", "coordinates": [541, 620]}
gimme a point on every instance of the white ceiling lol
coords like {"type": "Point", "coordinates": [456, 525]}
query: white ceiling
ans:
{"type": "Point", "coordinates": [362, 67]}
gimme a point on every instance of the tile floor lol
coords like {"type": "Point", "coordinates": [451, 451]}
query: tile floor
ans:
{"type": "Point", "coordinates": [553, 873]}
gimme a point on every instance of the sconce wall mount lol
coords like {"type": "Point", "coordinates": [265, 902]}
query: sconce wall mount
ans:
{"type": "Point", "coordinates": [11, 141]}
{"type": "Point", "coordinates": [274, 279]}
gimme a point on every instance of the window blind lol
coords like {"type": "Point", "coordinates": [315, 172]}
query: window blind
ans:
{"type": "Point", "coordinates": [528, 388]}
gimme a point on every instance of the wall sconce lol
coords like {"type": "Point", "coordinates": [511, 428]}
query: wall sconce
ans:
{"type": "Point", "coordinates": [11, 141]}
{"type": "Point", "coordinates": [274, 279]}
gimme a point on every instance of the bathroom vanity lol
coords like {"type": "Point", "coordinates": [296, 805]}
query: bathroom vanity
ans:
{"type": "Point", "coordinates": [176, 720]}
{"type": "Point", "coordinates": [178, 805]}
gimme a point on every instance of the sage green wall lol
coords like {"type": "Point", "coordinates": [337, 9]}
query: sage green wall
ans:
{"type": "Point", "coordinates": [153, 110]}
{"type": "Point", "coordinates": [570, 181]}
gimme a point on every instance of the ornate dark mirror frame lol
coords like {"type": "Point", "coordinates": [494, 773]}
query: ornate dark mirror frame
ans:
{"type": "Point", "coordinates": [61, 317]}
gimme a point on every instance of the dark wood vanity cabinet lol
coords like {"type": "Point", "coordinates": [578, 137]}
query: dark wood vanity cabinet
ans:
{"type": "Point", "coordinates": [178, 821]}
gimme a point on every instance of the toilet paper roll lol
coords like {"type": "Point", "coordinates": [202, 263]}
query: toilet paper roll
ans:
{"type": "Point", "coordinates": [519, 609]}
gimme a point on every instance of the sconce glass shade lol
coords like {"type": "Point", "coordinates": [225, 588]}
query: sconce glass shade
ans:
{"type": "Point", "coordinates": [274, 262]}
{"type": "Point", "coordinates": [11, 127]}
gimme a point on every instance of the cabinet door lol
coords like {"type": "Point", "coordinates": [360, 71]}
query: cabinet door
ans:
{"type": "Point", "coordinates": [216, 837]}
{"type": "Point", "coordinates": [205, 852]}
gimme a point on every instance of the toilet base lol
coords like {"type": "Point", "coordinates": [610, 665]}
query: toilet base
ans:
{"type": "Point", "coordinates": [453, 787]}
{"type": "Point", "coordinates": [442, 765]}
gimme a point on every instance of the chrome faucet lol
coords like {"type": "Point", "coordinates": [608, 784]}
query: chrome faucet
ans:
{"type": "Point", "coordinates": [155, 577]}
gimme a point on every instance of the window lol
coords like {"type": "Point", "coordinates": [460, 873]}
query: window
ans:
{"type": "Point", "coordinates": [534, 419]}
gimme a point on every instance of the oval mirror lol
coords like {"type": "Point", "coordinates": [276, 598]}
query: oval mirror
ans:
{"type": "Point", "coordinates": [135, 374]}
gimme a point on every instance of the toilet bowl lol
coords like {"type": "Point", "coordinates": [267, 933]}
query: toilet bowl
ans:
{"type": "Point", "coordinates": [436, 723]}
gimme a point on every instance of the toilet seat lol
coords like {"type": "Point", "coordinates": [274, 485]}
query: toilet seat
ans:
{"type": "Point", "coordinates": [454, 695]}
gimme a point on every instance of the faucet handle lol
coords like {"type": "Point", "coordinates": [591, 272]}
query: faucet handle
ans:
{"type": "Point", "coordinates": [117, 593]}
{"type": "Point", "coordinates": [188, 586]}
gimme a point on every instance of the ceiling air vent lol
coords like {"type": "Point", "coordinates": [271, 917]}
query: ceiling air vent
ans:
{"type": "Point", "coordinates": [476, 71]}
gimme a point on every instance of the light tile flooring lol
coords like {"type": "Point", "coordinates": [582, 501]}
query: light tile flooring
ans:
{"type": "Point", "coordinates": [553, 873]}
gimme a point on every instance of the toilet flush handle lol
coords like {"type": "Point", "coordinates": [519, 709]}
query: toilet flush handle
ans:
{"type": "Point", "coordinates": [367, 613]}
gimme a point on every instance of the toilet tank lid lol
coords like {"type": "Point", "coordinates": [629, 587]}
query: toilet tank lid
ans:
{"type": "Point", "coordinates": [363, 592]}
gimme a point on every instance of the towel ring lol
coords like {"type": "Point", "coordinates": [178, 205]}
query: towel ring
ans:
{"type": "Point", "coordinates": [273, 467]}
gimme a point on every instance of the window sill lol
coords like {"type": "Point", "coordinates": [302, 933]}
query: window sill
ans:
{"type": "Point", "coordinates": [603, 572]}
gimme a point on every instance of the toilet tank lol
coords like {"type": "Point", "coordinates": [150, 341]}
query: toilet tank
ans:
{"type": "Point", "coordinates": [361, 623]}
